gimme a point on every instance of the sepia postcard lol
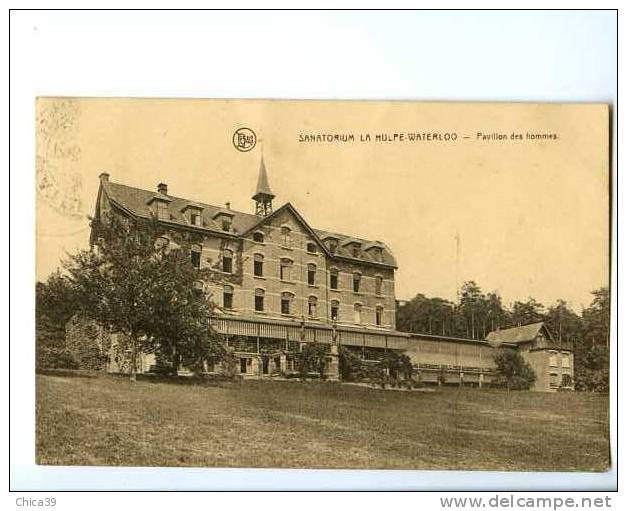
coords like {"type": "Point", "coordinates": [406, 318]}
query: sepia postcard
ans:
{"type": "Point", "coordinates": [322, 284]}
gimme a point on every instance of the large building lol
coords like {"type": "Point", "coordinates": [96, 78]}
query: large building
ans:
{"type": "Point", "coordinates": [284, 283]}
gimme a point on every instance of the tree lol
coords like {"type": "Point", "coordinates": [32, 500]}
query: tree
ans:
{"type": "Point", "coordinates": [524, 313]}
{"type": "Point", "coordinates": [512, 370]}
{"type": "Point", "coordinates": [592, 357]}
{"type": "Point", "coordinates": [397, 365]}
{"type": "Point", "coordinates": [312, 358]}
{"type": "Point", "coordinates": [564, 323]}
{"type": "Point", "coordinates": [55, 304]}
{"type": "Point", "coordinates": [472, 309]}
{"type": "Point", "coordinates": [351, 366]}
{"type": "Point", "coordinates": [133, 283]}
{"type": "Point", "coordinates": [426, 315]}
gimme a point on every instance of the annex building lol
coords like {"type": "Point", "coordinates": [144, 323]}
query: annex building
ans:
{"type": "Point", "coordinates": [285, 283]}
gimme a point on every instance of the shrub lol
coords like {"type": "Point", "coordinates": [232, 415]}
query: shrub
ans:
{"type": "Point", "coordinates": [512, 370]}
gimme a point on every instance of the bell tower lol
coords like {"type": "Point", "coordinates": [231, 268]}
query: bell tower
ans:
{"type": "Point", "coordinates": [263, 195]}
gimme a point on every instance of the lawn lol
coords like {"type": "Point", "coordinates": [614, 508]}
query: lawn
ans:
{"type": "Point", "coordinates": [107, 420]}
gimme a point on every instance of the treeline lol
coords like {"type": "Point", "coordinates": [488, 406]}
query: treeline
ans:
{"type": "Point", "coordinates": [477, 313]}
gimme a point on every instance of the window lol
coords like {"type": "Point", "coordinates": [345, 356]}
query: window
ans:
{"type": "Point", "coordinates": [379, 316]}
{"type": "Point", "coordinates": [162, 210]}
{"type": "Point", "coordinates": [286, 236]}
{"type": "Point", "coordinates": [554, 380]}
{"type": "Point", "coordinates": [313, 307]}
{"type": "Point", "coordinates": [286, 299]}
{"type": "Point", "coordinates": [259, 295]}
{"type": "Point", "coordinates": [194, 218]}
{"type": "Point", "coordinates": [567, 381]}
{"type": "Point", "coordinates": [227, 297]}
{"type": "Point", "coordinates": [227, 261]}
{"type": "Point", "coordinates": [195, 255]}
{"type": "Point", "coordinates": [226, 223]}
{"type": "Point", "coordinates": [553, 360]}
{"type": "Point", "coordinates": [356, 282]}
{"type": "Point", "coordinates": [332, 246]}
{"type": "Point", "coordinates": [377, 254]}
{"type": "Point", "coordinates": [335, 310]}
{"type": "Point", "coordinates": [258, 237]}
{"type": "Point", "coordinates": [311, 274]}
{"type": "Point", "coordinates": [333, 279]}
{"type": "Point", "coordinates": [357, 310]}
{"type": "Point", "coordinates": [285, 269]}
{"type": "Point", "coordinates": [311, 247]}
{"type": "Point", "coordinates": [378, 285]}
{"type": "Point", "coordinates": [258, 265]}
{"type": "Point", "coordinates": [565, 361]}
{"type": "Point", "coordinates": [356, 250]}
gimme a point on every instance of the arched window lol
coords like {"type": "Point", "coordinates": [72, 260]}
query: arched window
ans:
{"type": "Point", "coordinates": [356, 282]}
{"type": "Point", "coordinates": [258, 237]}
{"type": "Point", "coordinates": [313, 307]}
{"type": "Point", "coordinates": [286, 238]}
{"type": "Point", "coordinates": [227, 297]}
{"type": "Point", "coordinates": [357, 310]}
{"type": "Point", "coordinates": [286, 300]}
{"type": "Point", "coordinates": [259, 296]}
{"type": "Point", "coordinates": [285, 270]}
{"type": "Point", "coordinates": [312, 248]}
{"type": "Point", "coordinates": [227, 261]}
{"type": "Point", "coordinates": [311, 274]}
{"type": "Point", "coordinates": [195, 253]}
{"type": "Point", "coordinates": [258, 265]}
{"type": "Point", "coordinates": [378, 285]}
{"type": "Point", "coordinates": [333, 278]}
{"type": "Point", "coordinates": [335, 310]}
{"type": "Point", "coordinates": [379, 316]}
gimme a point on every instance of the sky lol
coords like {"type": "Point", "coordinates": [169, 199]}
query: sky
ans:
{"type": "Point", "coordinates": [520, 217]}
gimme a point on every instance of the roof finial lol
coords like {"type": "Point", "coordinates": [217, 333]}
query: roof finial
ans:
{"type": "Point", "coordinates": [263, 194]}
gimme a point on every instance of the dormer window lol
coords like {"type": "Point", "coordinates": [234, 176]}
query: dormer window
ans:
{"type": "Point", "coordinates": [356, 250]}
{"type": "Point", "coordinates": [376, 253]}
{"type": "Point", "coordinates": [331, 242]}
{"type": "Point", "coordinates": [162, 210]}
{"type": "Point", "coordinates": [192, 214]}
{"type": "Point", "coordinates": [311, 247]}
{"type": "Point", "coordinates": [224, 218]}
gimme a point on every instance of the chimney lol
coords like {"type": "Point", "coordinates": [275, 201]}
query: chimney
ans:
{"type": "Point", "coordinates": [104, 176]}
{"type": "Point", "coordinates": [228, 205]}
{"type": "Point", "coordinates": [162, 188]}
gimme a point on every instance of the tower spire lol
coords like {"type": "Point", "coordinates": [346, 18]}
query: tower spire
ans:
{"type": "Point", "coordinates": [263, 195]}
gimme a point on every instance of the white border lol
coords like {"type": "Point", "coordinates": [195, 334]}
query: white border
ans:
{"type": "Point", "coordinates": [560, 56]}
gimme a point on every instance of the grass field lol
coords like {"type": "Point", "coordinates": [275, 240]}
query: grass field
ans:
{"type": "Point", "coordinates": [107, 420]}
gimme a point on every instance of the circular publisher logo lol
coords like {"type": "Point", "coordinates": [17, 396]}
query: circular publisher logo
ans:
{"type": "Point", "coordinates": [244, 139]}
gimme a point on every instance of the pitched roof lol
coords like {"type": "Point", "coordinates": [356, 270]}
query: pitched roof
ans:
{"type": "Point", "coordinates": [516, 334]}
{"type": "Point", "coordinates": [263, 186]}
{"type": "Point", "coordinates": [136, 201]}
